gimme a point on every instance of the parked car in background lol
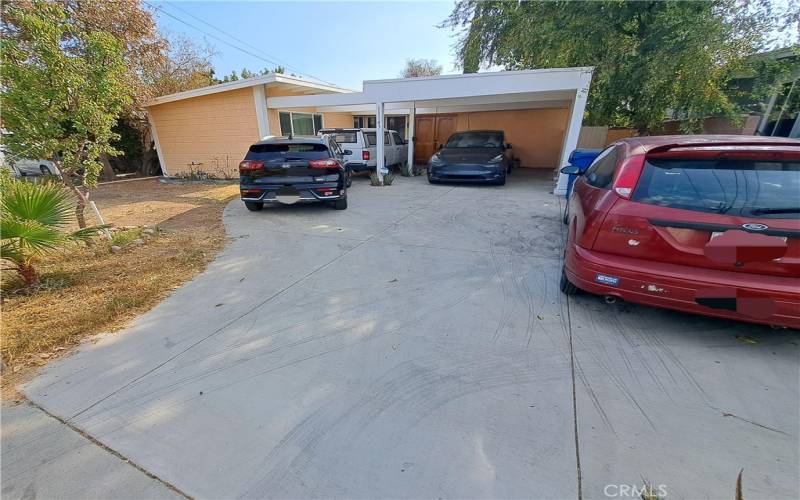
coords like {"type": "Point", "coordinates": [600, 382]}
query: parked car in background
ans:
{"type": "Point", "coordinates": [294, 170]}
{"type": "Point", "coordinates": [472, 156]}
{"type": "Point", "coordinates": [27, 167]}
{"type": "Point", "coordinates": [702, 224]}
{"type": "Point", "coordinates": [362, 144]}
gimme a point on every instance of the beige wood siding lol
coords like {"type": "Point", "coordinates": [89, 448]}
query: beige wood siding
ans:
{"type": "Point", "coordinates": [338, 120]}
{"type": "Point", "coordinates": [536, 135]}
{"type": "Point", "coordinates": [210, 133]}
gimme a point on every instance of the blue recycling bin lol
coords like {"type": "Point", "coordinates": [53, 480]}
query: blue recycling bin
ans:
{"type": "Point", "coordinates": [581, 158]}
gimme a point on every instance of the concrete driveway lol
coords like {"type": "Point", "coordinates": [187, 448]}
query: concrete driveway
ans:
{"type": "Point", "coordinates": [417, 345]}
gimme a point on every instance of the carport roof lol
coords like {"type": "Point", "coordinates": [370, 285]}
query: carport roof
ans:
{"type": "Point", "coordinates": [499, 87]}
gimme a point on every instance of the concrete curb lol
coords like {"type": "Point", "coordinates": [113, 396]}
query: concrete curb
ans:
{"type": "Point", "coordinates": [175, 180]}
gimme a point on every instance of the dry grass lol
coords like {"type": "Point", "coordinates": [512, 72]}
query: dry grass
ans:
{"type": "Point", "coordinates": [85, 291]}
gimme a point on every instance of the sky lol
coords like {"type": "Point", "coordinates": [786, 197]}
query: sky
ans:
{"type": "Point", "coordinates": [343, 43]}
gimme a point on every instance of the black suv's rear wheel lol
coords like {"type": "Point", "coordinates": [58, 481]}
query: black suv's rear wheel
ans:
{"type": "Point", "coordinates": [340, 204]}
{"type": "Point", "coordinates": [566, 286]}
{"type": "Point", "coordinates": [254, 206]}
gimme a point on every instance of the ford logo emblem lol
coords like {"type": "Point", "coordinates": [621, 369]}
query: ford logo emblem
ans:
{"type": "Point", "coordinates": [751, 226]}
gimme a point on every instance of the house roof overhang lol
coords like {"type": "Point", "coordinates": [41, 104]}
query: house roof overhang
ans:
{"type": "Point", "coordinates": [271, 79]}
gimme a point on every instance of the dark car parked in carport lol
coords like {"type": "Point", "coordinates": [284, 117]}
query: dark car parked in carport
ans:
{"type": "Point", "coordinates": [472, 156]}
{"type": "Point", "coordinates": [702, 224]}
{"type": "Point", "coordinates": [294, 170]}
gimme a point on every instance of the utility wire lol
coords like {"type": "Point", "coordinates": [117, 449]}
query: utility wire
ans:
{"type": "Point", "coordinates": [257, 56]}
{"type": "Point", "coordinates": [245, 43]}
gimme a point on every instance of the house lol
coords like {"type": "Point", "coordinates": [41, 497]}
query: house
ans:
{"type": "Point", "coordinates": [209, 129]}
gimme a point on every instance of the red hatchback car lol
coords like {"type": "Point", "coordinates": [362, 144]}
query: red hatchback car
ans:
{"type": "Point", "coordinates": [702, 224]}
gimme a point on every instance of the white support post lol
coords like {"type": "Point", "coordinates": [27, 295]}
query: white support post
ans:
{"type": "Point", "coordinates": [410, 137]}
{"type": "Point", "coordinates": [260, 102]}
{"type": "Point", "coordinates": [380, 152]}
{"type": "Point", "coordinates": [571, 137]}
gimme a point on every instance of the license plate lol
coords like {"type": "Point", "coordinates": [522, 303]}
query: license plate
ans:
{"type": "Point", "coordinates": [287, 195]}
{"type": "Point", "coordinates": [605, 279]}
{"type": "Point", "coordinates": [717, 233]}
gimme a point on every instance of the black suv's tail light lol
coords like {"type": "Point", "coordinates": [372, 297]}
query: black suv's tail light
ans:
{"type": "Point", "coordinates": [250, 166]}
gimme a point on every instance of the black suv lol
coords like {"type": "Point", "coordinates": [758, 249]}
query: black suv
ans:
{"type": "Point", "coordinates": [294, 170]}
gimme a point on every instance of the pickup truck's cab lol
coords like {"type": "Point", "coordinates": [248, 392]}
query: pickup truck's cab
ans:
{"type": "Point", "coordinates": [362, 143]}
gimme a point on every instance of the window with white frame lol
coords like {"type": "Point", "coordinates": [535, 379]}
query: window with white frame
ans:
{"type": "Point", "coordinates": [363, 121]}
{"type": "Point", "coordinates": [299, 123]}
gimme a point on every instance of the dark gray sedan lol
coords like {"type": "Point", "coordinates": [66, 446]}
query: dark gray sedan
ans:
{"type": "Point", "coordinates": [473, 156]}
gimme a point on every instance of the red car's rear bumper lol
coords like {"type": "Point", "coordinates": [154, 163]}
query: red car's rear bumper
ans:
{"type": "Point", "coordinates": [762, 299]}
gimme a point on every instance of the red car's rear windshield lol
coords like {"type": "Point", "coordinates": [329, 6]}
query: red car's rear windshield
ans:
{"type": "Point", "coordinates": [750, 188]}
{"type": "Point", "coordinates": [288, 151]}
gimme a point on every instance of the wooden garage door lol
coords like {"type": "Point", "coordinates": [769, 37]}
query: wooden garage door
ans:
{"type": "Point", "coordinates": [431, 131]}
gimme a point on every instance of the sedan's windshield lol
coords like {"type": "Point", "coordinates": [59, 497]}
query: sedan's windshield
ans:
{"type": "Point", "coordinates": [750, 188]}
{"type": "Point", "coordinates": [475, 140]}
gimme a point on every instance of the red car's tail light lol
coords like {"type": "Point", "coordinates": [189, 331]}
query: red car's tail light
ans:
{"type": "Point", "coordinates": [326, 163]}
{"type": "Point", "coordinates": [365, 155]}
{"type": "Point", "coordinates": [628, 175]}
{"type": "Point", "coordinates": [250, 166]}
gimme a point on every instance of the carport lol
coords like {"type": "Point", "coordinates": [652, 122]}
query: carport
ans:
{"type": "Point", "coordinates": [539, 110]}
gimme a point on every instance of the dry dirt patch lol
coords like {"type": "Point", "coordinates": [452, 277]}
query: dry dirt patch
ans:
{"type": "Point", "coordinates": [88, 290]}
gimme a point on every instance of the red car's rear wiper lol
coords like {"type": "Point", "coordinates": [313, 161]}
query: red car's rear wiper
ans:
{"type": "Point", "coordinates": [779, 210]}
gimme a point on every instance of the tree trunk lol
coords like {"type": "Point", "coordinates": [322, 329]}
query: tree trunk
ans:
{"type": "Point", "coordinates": [80, 207]}
{"type": "Point", "coordinates": [148, 152]}
{"type": "Point", "coordinates": [108, 173]}
{"type": "Point", "coordinates": [81, 196]}
{"type": "Point", "coordinates": [146, 168]}
{"type": "Point", "coordinates": [28, 274]}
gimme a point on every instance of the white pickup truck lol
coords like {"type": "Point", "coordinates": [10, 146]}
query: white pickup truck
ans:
{"type": "Point", "coordinates": [363, 146]}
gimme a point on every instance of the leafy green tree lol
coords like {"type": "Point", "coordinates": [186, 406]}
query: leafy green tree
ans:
{"type": "Point", "coordinates": [649, 57]}
{"type": "Point", "coordinates": [33, 218]}
{"type": "Point", "coordinates": [63, 88]}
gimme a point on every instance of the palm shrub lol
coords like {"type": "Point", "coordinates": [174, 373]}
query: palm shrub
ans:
{"type": "Point", "coordinates": [33, 220]}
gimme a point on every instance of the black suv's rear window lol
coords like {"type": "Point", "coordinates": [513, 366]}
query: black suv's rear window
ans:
{"type": "Point", "coordinates": [750, 188]}
{"type": "Point", "coordinates": [300, 151]}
